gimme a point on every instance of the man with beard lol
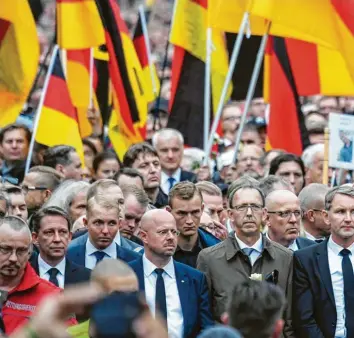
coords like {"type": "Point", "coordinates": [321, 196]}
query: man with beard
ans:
{"type": "Point", "coordinates": [248, 161]}
{"type": "Point", "coordinates": [38, 186]}
{"type": "Point", "coordinates": [18, 280]}
{"type": "Point", "coordinates": [283, 220]}
{"type": "Point", "coordinates": [178, 291]}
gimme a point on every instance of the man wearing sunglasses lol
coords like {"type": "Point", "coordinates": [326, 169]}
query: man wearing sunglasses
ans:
{"type": "Point", "coordinates": [283, 220]}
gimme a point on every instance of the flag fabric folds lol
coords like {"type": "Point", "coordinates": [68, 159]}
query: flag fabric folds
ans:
{"type": "Point", "coordinates": [19, 57]}
{"type": "Point", "coordinates": [58, 122]}
{"type": "Point", "coordinates": [286, 126]}
{"type": "Point", "coordinates": [79, 24]}
{"type": "Point", "coordinates": [141, 50]}
{"type": "Point", "coordinates": [127, 78]}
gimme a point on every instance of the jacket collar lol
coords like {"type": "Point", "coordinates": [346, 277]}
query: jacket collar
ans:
{"type": "Point", "coordinates": [232, 247]}
{"type": "Point", "coordinates": [29, 280]}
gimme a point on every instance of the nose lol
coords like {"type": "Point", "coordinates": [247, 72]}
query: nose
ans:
{"type": "Point", "coordinates": [189, 219]}
{"type": "Point", "coordinates": [348, 217]}
{"type": "Point", "coordinates": [13, 257]}
{"type": "Point", "coordinates": [249, 211]}
{"type": "Point", "coordinates": [292, 179]}
{"type": "Point", "coordinates": [249, 161]}
{"type": "Point", "coordinates": [170, 153]}
{"type": "Point", "coordinates": [56, 237]}
{"type": "Point", "coordinates": [152, 168]}
{"type": "Point", "coordinates": [169, 235]}
{"type": "Point", "coordinates": [105, 229]}
{"type": "Point", "coordinates": [292, 218]}
{"type": "Point", "coordinates": [131, 224]}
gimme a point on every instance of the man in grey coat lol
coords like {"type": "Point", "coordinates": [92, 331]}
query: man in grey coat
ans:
{"type": "Point", "coordinates": [246, 253]}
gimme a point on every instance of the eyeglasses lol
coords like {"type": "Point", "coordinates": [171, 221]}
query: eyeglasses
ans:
{"type": "Point", "coordinates": [319, 210]}
{"type": "Point", "coordinates": [165, 232]}
{"type": "Point", "coordinates": [287, 213]}
{"type": "Point", "coordinates": [244, 207]}
{"type": "Point", "coordinates": [20, 252]}
{"type": "Point", "coordinates": [26, 188]}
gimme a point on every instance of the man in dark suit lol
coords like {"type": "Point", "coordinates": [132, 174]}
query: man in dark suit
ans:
{"type": "Point", "coordinates": [323, 301]}
{"type": "Point", "coordinates": [177, 291]}
{"type": "Point", "coordinates": [283, 220]}
{"type": "Point", "coordinates": [169, 144]}
{"type": "Point", "coordinates": [103, 222]}
{"type": "Point", "coordinates": [51, 233]}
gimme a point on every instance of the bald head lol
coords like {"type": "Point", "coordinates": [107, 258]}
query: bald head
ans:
{"type": "Point", "coordinates": [155, 217]}
{"type": "Point", "coordinates": [115, 275]}
{"type": "Point", "coordinates": [278, 197]}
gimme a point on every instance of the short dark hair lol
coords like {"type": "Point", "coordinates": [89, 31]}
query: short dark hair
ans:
{"type": "Point", "coordinates": [88, 143]}
{"type": "Point", "coordinates": [245, 184]}
{"type": "Point", "coordinates": [58, 155]}
{"type": "Point", "coordinates": [266, 184]}
{"type": "Point", "coordinates": [35, 222]}
{"type": "Point", "coordinates": [245, 179]}
{"type": "Point", "coordinates": [282, 158]}
{"type": "Point", "coordinates": [140, 195]}
{"type": "Point", "coordinates": [184, 190]}
{"type": "Point", "coordinates": [15, 126]}
{"type": "Point", "coordinates": [263, 158]}
{"type": "Point", "coordinates": [255, 307]}
{"type": "Point", "coordinates": [47, 177]}
{"type": "Point", "coordinates": [135, 150]}
{"type": "Point", "coordinates": [130, 172]}
{"type": "Point", "coordinates": [104, 155]}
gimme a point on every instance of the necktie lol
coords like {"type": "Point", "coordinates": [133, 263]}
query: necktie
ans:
{"type": "Point", "coordinates": [348, 280]}
{"type": "Point", "coordinates": [160, 297]}
{"type": "Point", "coordinates": [247, 251]}
{"type": "Point", "coordinates": [53, 272]}
{"type": "Point", "coordinates": [171, 180]}
{"type": "Point", "coordinates": [99, 256]}
{"type": "Point", "coordinates": [318, 240]}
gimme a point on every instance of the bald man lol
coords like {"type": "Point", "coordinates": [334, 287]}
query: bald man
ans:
{"type": "Point", "coordinates": [248, 161]}
{"type": "Point", "coordinates": [283, 220]}
{"type": "Point", "coordinates": [177, 291]}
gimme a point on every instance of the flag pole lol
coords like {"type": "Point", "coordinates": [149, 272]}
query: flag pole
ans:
{"type": "Point", "coordinates": [148, 48]}
{"type": "Point", "coordinates": [325, 158]}
{"type": "Point", "coordinates": [233, 60]}
{"type": "Point", "coordinates": [251, 88]}
{"type": "Point", "coordinates": [207, 83]}
{"type": "Point", "coordinates": [91, 79]}
{"type": "Point", "coordinates": [39, 109]}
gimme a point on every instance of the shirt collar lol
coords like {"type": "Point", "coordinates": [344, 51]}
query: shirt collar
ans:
{"type": "Point", "coordinates": [150, 267]}
{"type": "Point", "coordinates": [176, 175]}
{"type": "Point", "coordinates": [110, 251]}
{"type": "Point", "coordinates": [117, 239]}
{"type": "Point", "coordinates": [258, 246]}
{"type": "Point", "coordinates": [293, 246]}
{"type": "Point", "coordinates": [312, 238]}
{"type": "Point", "coordinates": [336, 249]}
{"type": "Point", "coordinates": [44, 267]}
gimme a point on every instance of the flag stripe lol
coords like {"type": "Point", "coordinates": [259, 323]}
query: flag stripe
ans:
{"type": "Point", "coordinates": [177, 64]}
{"type": "Point", "coordinates": [140, 47]}
{"type": "Point", "coordinates": [345, 10]}
{"type": "Point", "coordinates": [4, 27]}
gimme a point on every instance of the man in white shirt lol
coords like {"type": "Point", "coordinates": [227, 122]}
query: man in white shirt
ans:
{"type": "Point", "coordinates": [177, 291]}
{"type": "Point", "coordinates": [323, 274]}
{"type": "Point", "coordinates": [103, 220]}
{"type": "Point", "coordinates": [283, 220]}
{"type": "Point", "coordinates": [51, 232]}
{"type": "Point", "coordinates": [312, 202]}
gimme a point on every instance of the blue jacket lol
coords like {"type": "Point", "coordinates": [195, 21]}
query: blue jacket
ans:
{"type": "Point", "coordinates": [207, 238]}
{"type": "Point", "coordinates": [193, 293]}
{"type": "Point", "coordinates": [77, 252]}
{"type": "Point", "coordinates": [303, 242]}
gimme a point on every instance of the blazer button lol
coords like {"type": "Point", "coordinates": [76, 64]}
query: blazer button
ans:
{"type": "Point", "coordinates": [333, 324]}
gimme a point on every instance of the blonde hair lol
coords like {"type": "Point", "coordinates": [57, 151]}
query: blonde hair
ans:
{"type": "Point", "coordinates": [104, 202]}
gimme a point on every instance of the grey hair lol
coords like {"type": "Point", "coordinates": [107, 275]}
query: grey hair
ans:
{"type": "Point", "coordinates": [167, 133]}
{"type": "Point", "coordinates": [16, 224]}
{"type": "Point", "coordinates": [140, 195]}
{"type": "Point", "coordinates": [310, 152]}
{"type": "Point", "coordinates": [110, 268]}
{"type": "Point", "coordinates": [64, 195]}
{"type": "Point", "coordinates": [343, 190]}
{"type": "Point", "coordinates": [312, 195]}
{"type": "Point", "coordinates": [245, 182]}
{"type": "Point", "coordinates": [208, 188]}
{"type": "Point", "coordinates": [267, 184]}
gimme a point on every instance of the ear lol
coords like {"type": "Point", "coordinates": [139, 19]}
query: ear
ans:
{"type": "Point", "coordinates": [203, 207]}
{"type": "Point", "coordinates": [310, 215]}
{"type": "Point", "coordinates": [143, 235]}
{"type": "Point", "coordinates": [70, 236]}
{"type": "Point", "coordinates": [168, 208]}
{"type": "Point", "coordinates": [84, 220]}
{"type": "Point", "coordinates": [47, 194]}
{"type": "Point", "coordinates": [225, 318]}
{"type": "Point", "coordinates": [60, 168]}
{"type": "Point", "coordinates": [34, 237]}
{"type": "Point", "coordinates": [326, 217]}
{"type": "Point", "coordinates": [265, 216]}
{"type": "Point", "coordinates": [278, 328]}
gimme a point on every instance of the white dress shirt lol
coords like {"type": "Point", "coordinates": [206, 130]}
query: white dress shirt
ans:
{"type": "Point", "coordinates": [258, 248]}
{"type": "Point", "coordinates": [312, 238]}
{"type": "Point", "coordinates": [165, 184]}
{"type": "Point", "coordinates": [117, 239]}
{"type": "Point", "coordinates": [293, 246]}
{"type": "Point", "coordinates": [335, 268]}
{"type": "Point", "coordinates": [44, 267]}
{"type": "Point", "coordinates": [175, 321]}
{"type": "Point", "coordinates": [90, 258]}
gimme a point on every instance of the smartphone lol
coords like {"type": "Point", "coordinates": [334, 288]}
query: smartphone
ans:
{"type": "Point", "coordinates": [113, 316]}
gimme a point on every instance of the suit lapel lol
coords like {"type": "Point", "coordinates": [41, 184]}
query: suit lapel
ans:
{"type": "Point", "coordinates": [140, 274]}
{"type": "Point", "coordinates": [34, 263]}
{"type": "Point", "coordinates": [69, 277]}
{"type": "Point", "coordinates": [183, 291]}
{"type": "Point", "coordinates": [80, 255]}
{"type": "Point", "coordinates": [323, 266]}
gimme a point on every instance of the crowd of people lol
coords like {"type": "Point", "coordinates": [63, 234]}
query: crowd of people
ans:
{"type": "Point", "coordinates": [259, 245]}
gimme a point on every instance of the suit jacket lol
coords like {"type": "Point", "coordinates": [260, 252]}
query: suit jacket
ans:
{"type": "Point", "coordinates": [225, 266]}
{"type": "Point", "coordinates": [77, 252]}
{"type": "Point", "coordinates": [304, 242]}
{"type": "Point", "coordinates": [188, 176]}
{"type": "Point", "coordinates": [74, 273]}
{"type": "Point", "coordinates": [124, 242]}
{"type": "Point", "coordinates": [314, 306]}
{"type": "Point", "coordinates": [193, 294]}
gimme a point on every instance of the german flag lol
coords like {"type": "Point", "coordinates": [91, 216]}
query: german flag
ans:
{"type": "Point", "coordinates": [286, 127]}
{"type": "Point", "coordinates": [58, 120]}
{"type": "Point", "coordinates": [188, 34]}
{"type": "Point", "coordinates": [19, 57]}
{"type": "Point", "coordinates": [79, 24]}
{"type": "Point", "coordinates": [142, 52]}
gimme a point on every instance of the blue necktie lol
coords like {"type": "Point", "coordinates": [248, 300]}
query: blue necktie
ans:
{"type": "Point", "coordinates": [247, 251]}
{"type": "Point", "coordinates": [160, 297]}
{"type": "Point", "coordinates": [348, 280]}
{"type": "Point", "coordinates": [172, 181]}
{"type": "Point", "coordinates": [53, 272]}
{"type": "Point", "coordinates": [99, 256]}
